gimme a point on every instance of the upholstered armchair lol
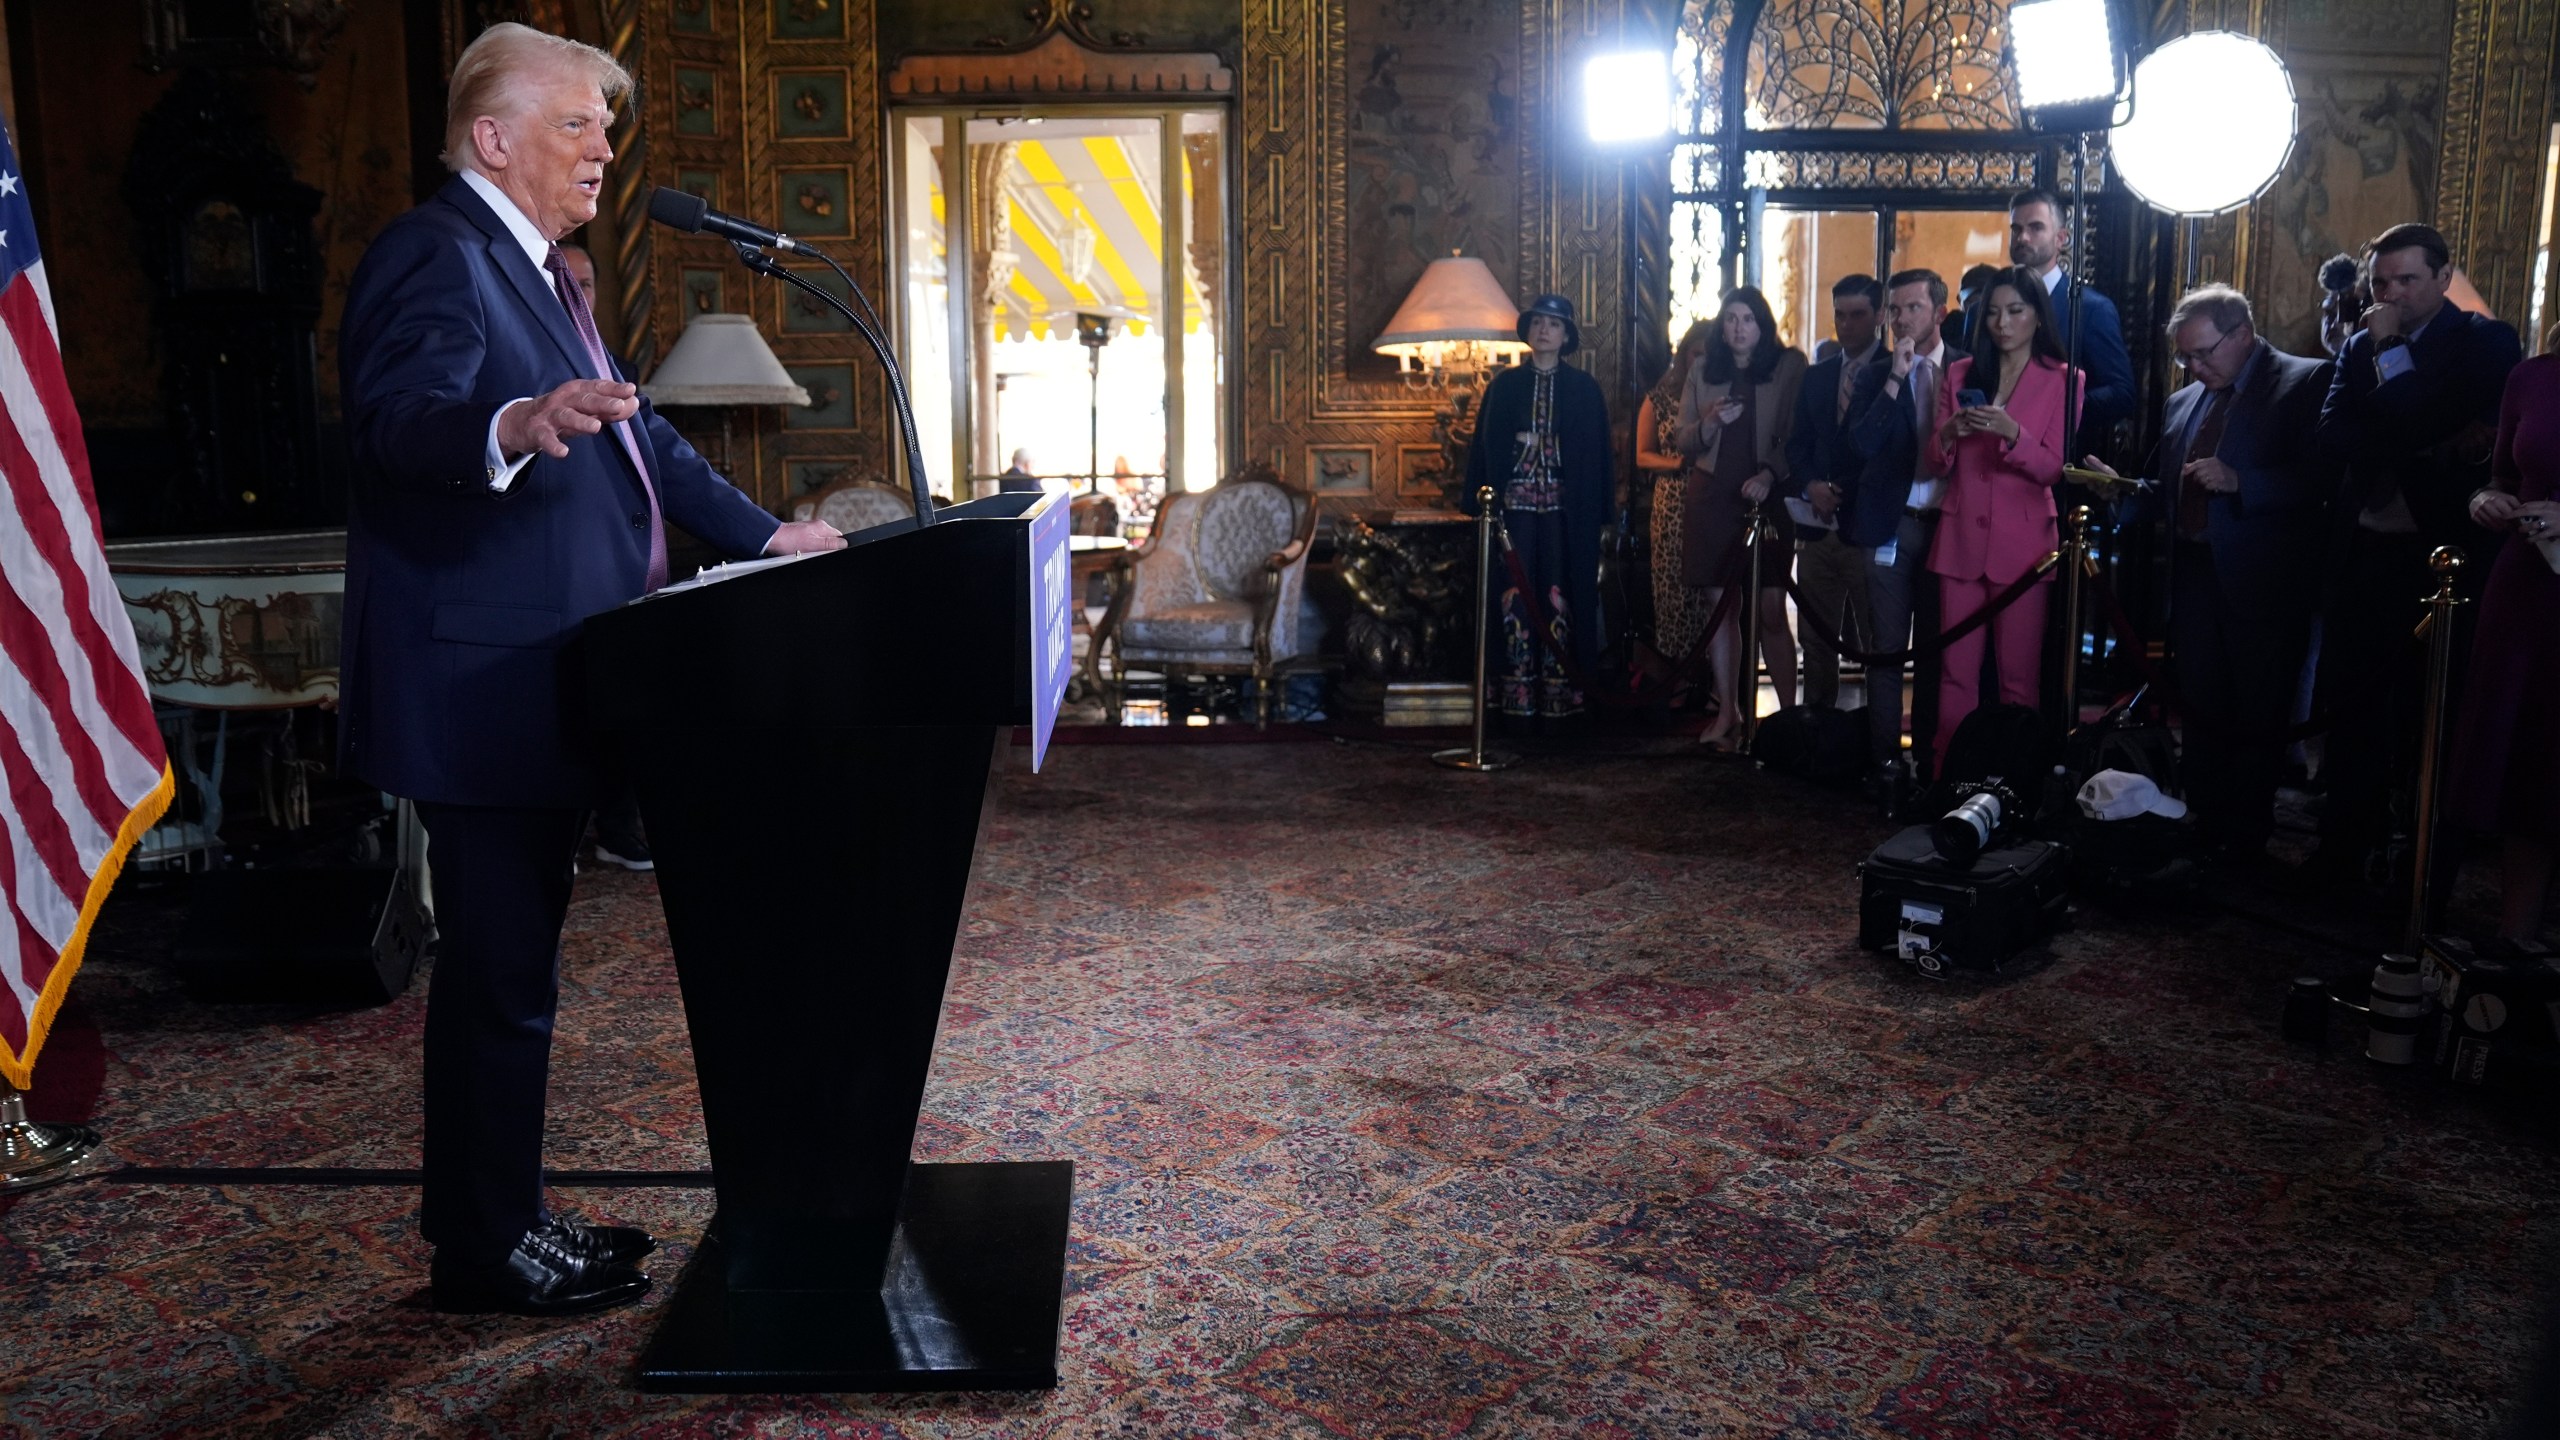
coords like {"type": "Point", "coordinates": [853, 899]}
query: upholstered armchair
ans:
{"type": "Point", "coordinates": [1216, 589]}
{"type": "Point", "coordinates": [851, 505]}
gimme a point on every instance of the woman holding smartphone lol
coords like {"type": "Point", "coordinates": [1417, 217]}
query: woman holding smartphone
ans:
{"type": "Point", "coordinates": [1741, 401]}
{"type": "Point", "coordinates": [1999, 440]}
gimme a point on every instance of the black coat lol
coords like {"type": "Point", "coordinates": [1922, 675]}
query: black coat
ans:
{"type": "Point", "coordinates": [1582, 443]}
{"type": "Point", "coordinates": [1886, 433]}
{"type": "Point", "coordinates": [2405, 433]}
{"type": "Point", "coordinates": [2266, 535]}
{"type": "Point", "coordinates": [1818, 445]}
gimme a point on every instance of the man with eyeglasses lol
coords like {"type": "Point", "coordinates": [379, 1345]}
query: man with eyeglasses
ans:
{"type": "Point", "coordinates": [2239, 477]}
{"type": "Point", "coordinates": [2411, 415]}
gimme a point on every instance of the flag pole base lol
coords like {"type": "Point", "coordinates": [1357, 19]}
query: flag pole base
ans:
{"type": "Point", "coordinates": [33, 1155]}
{"type": "Point", "coordinates": [1469, 758]}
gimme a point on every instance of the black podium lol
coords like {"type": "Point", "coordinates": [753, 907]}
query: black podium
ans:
{"type": "Point", "coordinates": [811, 740]}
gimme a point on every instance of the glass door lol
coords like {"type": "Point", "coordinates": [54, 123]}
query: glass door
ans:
{"type": "Point", "coordinates": [1803, 253]}
{"type": "Point", "coordinates": [1077, 339]}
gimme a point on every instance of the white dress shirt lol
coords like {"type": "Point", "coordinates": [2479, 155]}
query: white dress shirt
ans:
{"type": "Point", "coordinates": [502, 472]}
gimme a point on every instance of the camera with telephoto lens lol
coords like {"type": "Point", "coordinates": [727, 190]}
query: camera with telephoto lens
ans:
{"type": "Point", "coordinates": [1983, 810]}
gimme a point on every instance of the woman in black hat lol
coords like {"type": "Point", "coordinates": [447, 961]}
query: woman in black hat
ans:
{"type": "Point", "coordinates": [1542, 443]}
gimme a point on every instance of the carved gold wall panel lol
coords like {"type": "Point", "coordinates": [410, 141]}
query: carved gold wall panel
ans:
{"type": "Point", "coordinates": [2498, 130]}
{"type": "Point", "coordinates": [770, 109]}
{"type": "Point", "coordinates": [1372, 139]}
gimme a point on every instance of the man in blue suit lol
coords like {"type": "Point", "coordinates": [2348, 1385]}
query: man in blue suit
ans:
{"type": "Point", "coordinates": [2239, 475]}
{"type": "Point", "coordinates": [509, 484]}
{"type": "Point", "coordinates": [1891, 512]}
{"type": "Point", "coordinates": [2039, 236]}
{"type": "Point", "coordinates": [1822, 469]}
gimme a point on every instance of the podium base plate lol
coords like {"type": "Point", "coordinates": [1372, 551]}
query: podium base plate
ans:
{"type": "Point", "coordinates": [975, 1282]}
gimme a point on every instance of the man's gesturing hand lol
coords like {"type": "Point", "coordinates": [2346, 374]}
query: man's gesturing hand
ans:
{"type": "Point", "coordinates": [581, 407]}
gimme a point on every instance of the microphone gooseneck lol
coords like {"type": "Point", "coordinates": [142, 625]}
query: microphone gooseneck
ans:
{"type": "Point", "coordinates": [692, 215]}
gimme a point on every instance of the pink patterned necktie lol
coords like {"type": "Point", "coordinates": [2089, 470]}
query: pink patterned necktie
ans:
{"type": "Point", "coordinates": [574, 296]}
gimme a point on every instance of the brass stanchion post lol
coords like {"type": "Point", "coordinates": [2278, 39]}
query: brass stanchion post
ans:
{"type": "Point", "coordinates": [1746, 664]}
{"type": "Point", "coordinates": [2437, 630]}
{"type": "Point", "coordinates": [1476, 757]}
{"type": "Point", "coordinates": [32, 1154]}
{"type": "Point", "coordinates": [2075, 561]}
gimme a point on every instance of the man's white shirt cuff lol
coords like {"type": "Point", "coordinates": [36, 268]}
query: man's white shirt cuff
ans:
{"type": "Point", "coordinates": [502, 473]}
{"type": "Point", "coordinates": [2394, 363]}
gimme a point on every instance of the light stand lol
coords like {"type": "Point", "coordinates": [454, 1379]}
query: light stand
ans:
{"type": "Point", "coordinates": [1093, 332]}
{"type": "Point", "coordinates": [2070, 74]}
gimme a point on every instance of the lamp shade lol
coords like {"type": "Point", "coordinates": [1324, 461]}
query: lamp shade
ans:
{"type": "Point", "coordinates": [722, 360]}
{"type": "Point", "coordinates": [1456, 299]}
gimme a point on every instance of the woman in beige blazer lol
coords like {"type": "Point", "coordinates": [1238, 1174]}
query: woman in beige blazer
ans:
{"type": "Point", "coordinates": [1733, 432]}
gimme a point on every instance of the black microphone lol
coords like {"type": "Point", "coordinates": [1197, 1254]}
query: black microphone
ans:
{"type": "Point", "coordinates": [693, 215]}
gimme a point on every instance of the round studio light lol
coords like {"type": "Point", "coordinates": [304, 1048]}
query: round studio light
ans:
{"type": "Point", "coordinates": [2213, 121]}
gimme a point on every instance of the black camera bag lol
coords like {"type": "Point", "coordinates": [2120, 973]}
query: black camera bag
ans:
{"type": "Point", "coordinates": [1939, 918]}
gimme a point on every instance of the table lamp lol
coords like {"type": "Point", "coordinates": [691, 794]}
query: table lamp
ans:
{"type": "Point", "coordinates": [1451, 333]}
{"type": "Point", "coordinates": [721, 362]}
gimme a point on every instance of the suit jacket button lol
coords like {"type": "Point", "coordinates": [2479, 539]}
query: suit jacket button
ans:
{"type": "Point", "coordinates": [639, 521]}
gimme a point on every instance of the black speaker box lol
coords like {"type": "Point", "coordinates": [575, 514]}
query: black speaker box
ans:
{"type": "Point", "coordinates": [330, 936]}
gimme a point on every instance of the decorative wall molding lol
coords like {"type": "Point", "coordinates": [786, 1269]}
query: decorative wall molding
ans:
{"type": "Point", "coordinates": [1059, 65]}
{"type": "Point", "coordinates": [2497, 132]}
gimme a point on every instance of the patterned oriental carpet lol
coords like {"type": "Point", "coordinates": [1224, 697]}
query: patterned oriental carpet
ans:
{"type": "Point", "coordinates": [1404, 1105]}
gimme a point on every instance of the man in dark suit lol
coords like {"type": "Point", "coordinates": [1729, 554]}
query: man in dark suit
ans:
{"type": "Point", "coordinates": [2039, 236]}
{"type": "Point", "coordinates": [2411, 415]}
{"type": "Point", "coordinates": [1891, 512]}
{"type": "Point", "coordinates": [509, 483]}
{"type": "Point", "coordinates": [2239, 477]}
{"type": "Point", "coordinates": [1822, 467]}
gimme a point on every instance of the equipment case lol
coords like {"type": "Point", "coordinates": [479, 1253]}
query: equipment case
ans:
{"type": "Point", "coordinates": [1939, 918]}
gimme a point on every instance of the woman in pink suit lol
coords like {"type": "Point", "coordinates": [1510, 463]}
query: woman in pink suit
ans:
{"type": "Point", "coordinates": [1999, 441]}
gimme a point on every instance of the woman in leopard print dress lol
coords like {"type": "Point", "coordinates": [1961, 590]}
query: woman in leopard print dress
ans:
{"type": "Point", "coordinates": [1680, 610]}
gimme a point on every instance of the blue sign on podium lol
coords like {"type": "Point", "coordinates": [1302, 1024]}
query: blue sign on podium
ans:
{"type": "Point", "coordinates": [1052, 626]}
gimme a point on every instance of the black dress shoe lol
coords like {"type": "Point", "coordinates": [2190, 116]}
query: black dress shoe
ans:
{"type": "Point", "coordinates": [620, 1244]}
{"type": "Point", "coordinates": [537, 1278]}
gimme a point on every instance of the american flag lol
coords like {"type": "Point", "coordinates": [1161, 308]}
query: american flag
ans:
{"type": "Point", "coordinates": [82, 771]}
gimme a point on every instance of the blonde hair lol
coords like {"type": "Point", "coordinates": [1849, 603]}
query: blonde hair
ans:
{"type": "Point", "coordinates": [486, 76]}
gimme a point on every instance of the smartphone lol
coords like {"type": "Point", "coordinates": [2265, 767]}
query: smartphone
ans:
{"type": "Point", "coordinates": [1971, 399]}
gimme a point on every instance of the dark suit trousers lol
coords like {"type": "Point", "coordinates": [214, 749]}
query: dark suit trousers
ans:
{"type": "Point", "coordinates": [2371, 674]}
{"type": "Point", "coordinates": [2236, 670]}
{"type": "Point", "coordinates": [1904, 599]}
{"type": "Point", "coordinates": [502, 881]}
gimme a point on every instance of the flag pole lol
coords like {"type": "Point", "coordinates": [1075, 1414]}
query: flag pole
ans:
{"type": "Point", "coordinates": [33, 1154]}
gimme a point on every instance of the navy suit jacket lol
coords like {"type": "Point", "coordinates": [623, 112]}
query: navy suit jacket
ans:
{"type": "Point", "coordinates": [1818, 445]}
{"type": "Point", "coordinates": [2266, 536]}
{"type": "Point", "coordinates": [1886, 435]}
{"type": "Point", "coordinates": [457, 683]}
{"type": "Point", "coordinates": [2103, 358]}
{"type": "Point", "coordinates": [2408, 433]}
